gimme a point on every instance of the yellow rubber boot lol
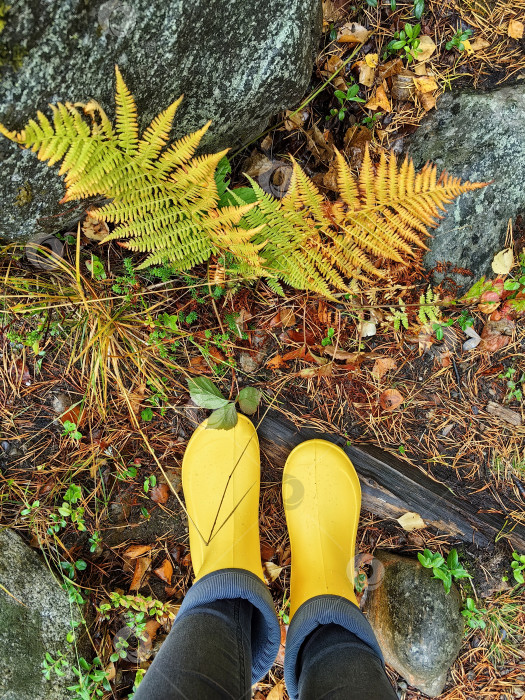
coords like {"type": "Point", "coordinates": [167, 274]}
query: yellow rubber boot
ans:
{"type": "Point", "coordinates": [322, 501]}
{"type": "Point", "coordinates": [221, 481]}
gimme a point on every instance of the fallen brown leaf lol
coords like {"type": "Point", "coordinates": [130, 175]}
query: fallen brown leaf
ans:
{"type": "Point", "coordinates": [267, 551]}
{"type": "Point", "coordinates": [390, 400]}
{"type": "Point", "coordinates": [165, 571]}
{"type": "Point", "coordinates": [339, 354]}
{"type": "Point", "coordinates": [496, 335]}
{"type": "Point", "coordinates": [276, 362]}
{"type": "Point", "coordinates": [141, 567]}
{"type": "Point", "coordinates": [21, 373]}
{"type": "Point", "coordinates": [160, 493]}
{"type": "Point", "coordinates": [352, 33]}
{"type": "Point", "coordinates": [136, 550]}
{"type": "Point", "coordinates": [379, 100]}
{"type": "Point", "coordinates": [280, 655]}
{"type": "Point", "coordinates": [382, 365]}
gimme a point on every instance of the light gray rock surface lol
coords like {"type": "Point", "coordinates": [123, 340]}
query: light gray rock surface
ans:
{"type": "Point", "coordinates": [237, 63]}
{"type": "Point", "coordinates": [419, 628]}
{"type": "Point", "coordinates": [479, 136]}
{"type": "Point", "coordinates": [34, 619]}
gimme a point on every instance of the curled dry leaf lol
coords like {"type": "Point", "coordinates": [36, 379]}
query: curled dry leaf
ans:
{"type": "Point", "coordinates": [379, 100]}
{"type": "Point", "coordinates": [382, 365]}
{"type": "Point", "coordinates": [141, 567]}
{"type": "Point", "coordinates": [339, 354]}
{"type": "Point", "coordinates": [390, 400]}
{"type": "Point", "coordinates": [352, 33]}
{"type": "Point", "coordinates": [515, 29]}
{"type": "Point", "coordinates": [165, 571]}
{"type": "Point", "coordinates": [160, 493]}
{"type": "Point", "coordinates": [20, 373]}
{"type": "Point", "coordinates": [321, 371]}
{"type": "Point", "coordinates": [271, 571]}
{"type": "Point", "coordinates": [136, 550]}
{"type": "Point", "coordinates": [426, 48]}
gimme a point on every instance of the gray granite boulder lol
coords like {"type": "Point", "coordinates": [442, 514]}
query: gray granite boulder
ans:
{"type": "Point", "coordinates": [35, 618]}
{"type": "Point", "coordinates": [419, 628]}
{"type": "Point", "coordinates": [237, 63]}
{"type": "Point", "coordinates": [479, 136]}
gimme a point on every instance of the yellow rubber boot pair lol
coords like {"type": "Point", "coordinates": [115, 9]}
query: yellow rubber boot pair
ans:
{"type": "Point", "coordinates": [322, 500]}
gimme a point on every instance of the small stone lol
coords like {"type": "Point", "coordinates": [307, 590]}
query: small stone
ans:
{"type": "Point", "coordinates": [248, 363]}
{"type": "Point", "coordinates": [419, 628]}
{"type": "Point", "coordinates": [61, 402]}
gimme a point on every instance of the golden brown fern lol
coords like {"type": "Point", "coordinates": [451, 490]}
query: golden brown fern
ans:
{"type": "Point", "coordinates": [164, 200]}
{"type": "Point", "coordinates": [314, 243]}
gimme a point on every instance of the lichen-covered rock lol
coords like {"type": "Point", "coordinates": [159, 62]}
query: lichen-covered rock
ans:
{"type": "Point", "coordinates": [479, 136]}
{"type": "Point", "coordinates": [419, 628]}
{"type": "Point", "coordinates": [237, 63]}
{"type": "Point", "coordinates": [35, 618]}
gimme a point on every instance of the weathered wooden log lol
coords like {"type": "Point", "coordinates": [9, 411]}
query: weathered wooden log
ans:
{"type": "Point", "coordinates": [391, 487]}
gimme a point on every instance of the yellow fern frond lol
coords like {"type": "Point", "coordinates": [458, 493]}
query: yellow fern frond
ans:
{"type": "Point", "coordinates": [126, 121]}
{"type": "Point", "coordinates": [156, 135]}
{"type": "Point", "coordinates": [164, 202]}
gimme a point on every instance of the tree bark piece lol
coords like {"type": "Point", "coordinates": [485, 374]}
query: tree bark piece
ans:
{"type": "Point", "coordinates": [391, 487]}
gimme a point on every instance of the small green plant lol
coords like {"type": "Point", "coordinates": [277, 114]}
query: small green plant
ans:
{"type": "Point", "coordinates": [71, 430]}
{"type": "Point", "coordinates": [92, 681]}
{"type": "Point", "coordinates": [360, 581]}
{"type": "Point", "coordinates": [29, 509]}
{"type": "Point", "coordinates": [447, 570]}
{"type": "Point", "coordinates": [96, 268]}
{"type": "Point", "coordinates": [138, 603]}
{"type": "Point", "coordinates": [127, 283]}
{"type": "Point", "coordinates": [407, 41]}
{"type": "Point", "coordinates": [474, 616]}
{"type": "Point", "coordinates": [70, 568]}
{"type": "Point", "coordinates": [328, 339]}
{"type": "Point", "coordinates": [284, 612]}
{"type": "Point", "coordinates": [351, 95]}
{"type": "Point", "coordinates": [70, 510]}
{"type": "Point", "coordinates": [94, 541]}
{"type": "Point", "coordinates": [514, 385]}
{"type": "Point", "coordinates": [204, 393]}
{"type": "Point", "coordinates": [149, 482]}
{"type": "Point", "coordinates": [371, 121]}
{"type": "Point", "coordinates": [518, 567]}
{"type": "Point", "coordinates": [457, 41]}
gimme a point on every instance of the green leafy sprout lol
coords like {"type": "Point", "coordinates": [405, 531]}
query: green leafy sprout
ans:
{"type": "Point", "coordinates": [447, 570]}
{"type": "Point", "coordinates": [204, 393]}
{"type": "Point", "coordinates": [457, 41]}
{"type": "Point", "coordinates": [407, 41]}
{"type": "Point", "coordinates": [351, 95]}
{"type": "Point", "coordinates": [473, 616]}
{"type": "Point", "coordinates": [518, 567]}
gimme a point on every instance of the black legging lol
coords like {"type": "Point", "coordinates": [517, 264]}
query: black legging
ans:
{"type": "Point", "coordinates": [208, 656]}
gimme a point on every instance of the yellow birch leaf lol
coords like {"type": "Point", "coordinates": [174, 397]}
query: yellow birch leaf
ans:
{"type": "Point", "coordinates": [425, 84]}
{"type": "Point", "coordinates": [503, 261]}
{"type": "Point", "coordinates": [411, 521]}
{"type": "Point", "coordinates": [379, 100]}
{"type": "Point", "coordinates": [515, 29]}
